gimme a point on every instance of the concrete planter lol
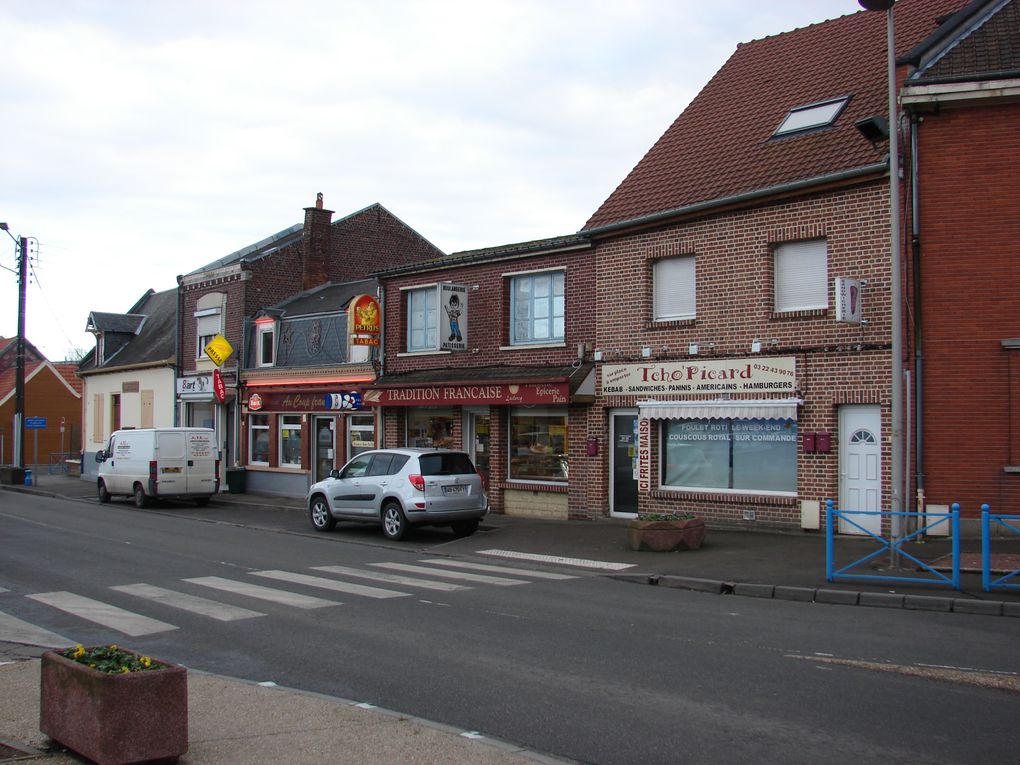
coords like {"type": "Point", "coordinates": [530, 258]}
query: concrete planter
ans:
{"type": "Point", "coordinates": [114, 718]}
{"type": "Point", "coordinates": [666, 536]}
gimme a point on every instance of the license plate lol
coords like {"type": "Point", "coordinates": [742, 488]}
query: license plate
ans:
{"type": "Point", "coordinates": [455, 490]}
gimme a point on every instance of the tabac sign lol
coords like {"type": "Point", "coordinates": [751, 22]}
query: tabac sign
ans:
{"type": "Point", "coordinates": [761, 375]}
{"type": "Point", "coordinates": [364, 320]}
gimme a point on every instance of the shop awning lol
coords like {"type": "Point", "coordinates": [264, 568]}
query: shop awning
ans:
{"type": "Point", "coordinates": [763, 409]}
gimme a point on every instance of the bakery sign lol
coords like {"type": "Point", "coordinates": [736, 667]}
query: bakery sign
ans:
{"type": "Point", "coordinates": [760, 375]}
{"type": "Point", "coordinates": [497, 393]}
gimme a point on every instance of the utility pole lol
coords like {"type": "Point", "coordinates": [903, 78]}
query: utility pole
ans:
{"type": "Point", "coordinates": [19, 384]}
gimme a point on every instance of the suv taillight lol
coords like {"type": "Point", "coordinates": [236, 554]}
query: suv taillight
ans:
{"type": "Point", "coordinates": [417, 481]}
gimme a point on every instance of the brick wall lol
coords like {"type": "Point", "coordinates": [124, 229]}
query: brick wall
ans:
{"type": "Point", "coordinates": [969, 180]}
{"type": "Point", "coordinates": [836, 363]}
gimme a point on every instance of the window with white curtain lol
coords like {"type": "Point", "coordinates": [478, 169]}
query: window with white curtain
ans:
{"type": "Point", "coordinates": [801, 275]}
{"type": "Point", "coordinates": [537, 308]}
{"type": "Point", "coordinates": [423, 319]}
{"type": "Point", "coordinates": [673, 289]}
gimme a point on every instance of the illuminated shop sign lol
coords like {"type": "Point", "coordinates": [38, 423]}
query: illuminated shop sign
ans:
{"type": "Point", "coordinates": [536, 393]}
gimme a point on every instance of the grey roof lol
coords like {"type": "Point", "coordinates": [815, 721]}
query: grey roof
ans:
{"type": "Point", "coordinates": [518, 249]}
{"type": "Point", "coordinates": [326, 298]}
{"type": "Point", "coordinates": [114, 322]}
{"type": "Point", "coordinates": [155, 340]}
{"type": "Point", "coordinates": [258, 250]}
{"type": "Point", "coordinates": [980, 42]}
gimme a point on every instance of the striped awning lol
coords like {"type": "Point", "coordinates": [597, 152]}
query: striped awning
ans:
{"type": "Point", "coordinates": [757, 409]}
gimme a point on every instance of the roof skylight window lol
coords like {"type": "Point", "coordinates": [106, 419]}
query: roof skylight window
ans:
{"type": "Point", "coordinates": [802, 118]}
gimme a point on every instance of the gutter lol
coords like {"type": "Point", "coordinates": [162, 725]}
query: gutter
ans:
{"type": "Point", "coordinates": [736, 199]}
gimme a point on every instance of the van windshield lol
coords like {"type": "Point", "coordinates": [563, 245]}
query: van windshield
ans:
{"type": "Point", "coordinates": [446, 463]}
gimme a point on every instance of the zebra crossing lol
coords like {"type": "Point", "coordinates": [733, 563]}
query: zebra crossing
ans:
{"type": "Point", "coordinates": [388, 580]}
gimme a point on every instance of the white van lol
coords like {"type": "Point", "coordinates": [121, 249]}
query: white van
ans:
{"type": "Point", "coordinates": [159, 463]}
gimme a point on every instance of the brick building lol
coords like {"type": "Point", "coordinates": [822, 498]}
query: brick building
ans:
{"type": "Point", "coordinates": [490, 351]}
{"type": "Point", "coordinates": [52, 394]}
{"type": "Point", "coordinates": [743, 336]}
{"type": "Point", "coordinates": [964, 170]}
{"type": "Point", "coordinates": [222, 296]}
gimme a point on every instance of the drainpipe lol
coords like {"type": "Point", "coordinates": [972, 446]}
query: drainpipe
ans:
{"type": "Point", "coordinates": [178, 355]}
{"type": "Point", "coordinates": [915, 251]}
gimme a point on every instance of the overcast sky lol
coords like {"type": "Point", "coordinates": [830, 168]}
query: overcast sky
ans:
{"type": "Point", "coordinates": [142, 139]}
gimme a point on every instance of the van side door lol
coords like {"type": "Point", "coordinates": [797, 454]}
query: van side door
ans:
{"type": "Point", "coordinates": [201, 467]}
{"type": "Point", "coordinates": [171, 462]}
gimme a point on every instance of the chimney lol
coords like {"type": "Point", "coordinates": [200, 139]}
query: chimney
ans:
{"type": "Point", "coordinates": [315, 245]}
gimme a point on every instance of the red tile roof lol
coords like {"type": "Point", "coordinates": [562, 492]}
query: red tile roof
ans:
{"type": "Point", "coordinates": [720, 146]}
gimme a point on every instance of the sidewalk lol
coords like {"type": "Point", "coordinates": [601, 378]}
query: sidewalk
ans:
{"type": "Point", "coordinates": [235, 721]}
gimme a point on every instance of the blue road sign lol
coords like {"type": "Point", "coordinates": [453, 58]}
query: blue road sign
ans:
{"type": "Point", "coordinates": [35, 422]}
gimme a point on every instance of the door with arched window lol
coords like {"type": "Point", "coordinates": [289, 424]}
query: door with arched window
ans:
{"type": "Point", "coordinates": [860, 467]}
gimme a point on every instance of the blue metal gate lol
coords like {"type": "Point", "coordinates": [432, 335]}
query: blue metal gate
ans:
{"type": "Point", "coordinates": [893, 546]}
{"type": "Point", "coordinates": [987, 519]}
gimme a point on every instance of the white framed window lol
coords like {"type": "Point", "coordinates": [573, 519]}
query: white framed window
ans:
{"type": "Point", "coordinates": [801, 275]}
{"type": "Point", "coordinates": [811, 116]}
{"type": "Point", "coordinates": [423, 319]}
{"type": "Point", "coordinates": [290, 440]}
{"type": "Point", "coordinates": [360, 433]}
{"type": "Point", "coordinates": [267, 344]}
{"type": "Point", "coordinates": [209, 321]}
{"type": "Point", "coordinates": [258, 439]}
{"type": "Point", "coordinates": [537, 308]}
{"type": "Point", "coordinates": [673, 289]}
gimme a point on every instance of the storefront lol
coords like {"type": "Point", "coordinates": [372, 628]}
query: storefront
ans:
{"type": "Point", "coordinates": [516, 433]}
{"type": "Point", "coordinates": [293, 435]}
{"type": "Point", "coordinates": [199, 406]}
{"type": "Point", "coordinates": [687, 435]}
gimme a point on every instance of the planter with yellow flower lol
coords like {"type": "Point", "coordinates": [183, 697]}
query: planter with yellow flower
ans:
{"type": "Point", "coordinates": [113, 705]}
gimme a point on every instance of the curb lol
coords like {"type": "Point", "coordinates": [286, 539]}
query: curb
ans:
{"type": "Point", "coordinates": [828, 596]}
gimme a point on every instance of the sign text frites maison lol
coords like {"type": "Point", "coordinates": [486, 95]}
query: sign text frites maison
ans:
{"type": "Point", "coordinates": [759, 375]}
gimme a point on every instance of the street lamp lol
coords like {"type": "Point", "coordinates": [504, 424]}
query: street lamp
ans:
{"type": "Point", "coordinates": [19, 375]}
{"type": "Point", "coordinates": [896, 472]}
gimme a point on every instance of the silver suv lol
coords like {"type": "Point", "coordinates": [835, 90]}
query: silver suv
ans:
{"type": "Point", "coordinates": [400, 488]}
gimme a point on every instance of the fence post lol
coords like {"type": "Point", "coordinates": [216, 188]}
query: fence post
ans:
{"type": "Point", "coordinates": [828, 540]}
{"type": "Point", "coordinates": [986, 550]}
{"type": "Point", "coordinates": [955, 530]}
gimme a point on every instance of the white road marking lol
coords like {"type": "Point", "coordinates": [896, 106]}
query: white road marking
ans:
{"type": "Point", "coordinates": [103, 613]}
{"type": "Point", "coordinates": [464, 576]}
{"type": "Point", "coordinates": [14, 630]}
{"type": "Point", "coordinates": [498, 569]}
{"type": "Point", "coordinates": [331, 584]}
{"type": "Point", "coordinates": [559, 560]}
{"type": "Point", "coordinates": [263, 593]}
{"type": "Point", "coordinates": [196, 605]}
{"type": "Point", "coordinates": [380, 576]}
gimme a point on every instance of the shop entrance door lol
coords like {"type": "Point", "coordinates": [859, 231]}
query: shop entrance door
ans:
{"type": "Point", "coordinates": [325, 447]}
{"type": "Point", "coordinates": [860, 466]}
{"type": "Point", "coordinates": [623, 485]}
{"type": "Point", "coordinates": [476, 441]}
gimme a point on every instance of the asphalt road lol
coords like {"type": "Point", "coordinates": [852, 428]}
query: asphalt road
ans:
{"type": "Point", "coordinates": [587, 668]}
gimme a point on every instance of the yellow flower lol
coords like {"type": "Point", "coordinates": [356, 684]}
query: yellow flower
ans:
{"type": "Point", "coordinates": [124, 670]}
{"type": "Point", "coordinates": [145, 661]}
{"type": "Point", "coordinates": [79, 651]}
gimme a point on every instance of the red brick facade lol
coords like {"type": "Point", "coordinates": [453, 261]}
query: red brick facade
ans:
{"type": "Point", "coordinates": [969, 182]}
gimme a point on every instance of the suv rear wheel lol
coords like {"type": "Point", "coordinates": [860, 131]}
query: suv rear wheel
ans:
{"type": "Point", "coordinates": [394, 524]}
{"type": "Point", "coordinates": [318, 512]}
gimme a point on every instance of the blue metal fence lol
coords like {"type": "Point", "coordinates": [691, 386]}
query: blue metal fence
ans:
{"type": "Point", "coordinates": [987, 519]}
{"type": "Point", "coordinates": [893, 546]}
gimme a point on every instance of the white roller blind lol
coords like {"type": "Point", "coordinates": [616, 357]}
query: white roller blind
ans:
{"type": "Point", "coordinates": [801, 275]}
{"type": "Point", "coordinates": [674, 294]}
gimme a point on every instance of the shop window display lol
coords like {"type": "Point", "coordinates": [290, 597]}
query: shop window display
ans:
{"type": "Point", "coordinates": [538, 446]}
{"type": "Point", "coordinates": [290, 440]}
{"type": "Point", "coordinates": [258, 439]}
{"type": "Point", "coordinates": [430, 428]}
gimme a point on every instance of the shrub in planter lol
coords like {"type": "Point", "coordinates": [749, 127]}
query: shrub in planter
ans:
{"type": "Point", "coordinates": [114, 706]}
{"type": "Point", "coordinates": [665, 532]}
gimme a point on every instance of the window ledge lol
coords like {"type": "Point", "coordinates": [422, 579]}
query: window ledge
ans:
{"type": "Point", "coordinates": [806, 313]}
{"type": "Point", "coordinates": [724, 496]}
{"type": "Point", "coordinates": [1011, 469]}
{"type": "Point", "coordinates": [671, 323]}
{"type": "Point", "coordinates": [436, 352]}
{"type": "Point", "coordinates": [556, 488]}
{"type": "Point", "coordinates": [531, 346]}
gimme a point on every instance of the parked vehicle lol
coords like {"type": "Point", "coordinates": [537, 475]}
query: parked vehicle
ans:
{"type": "Point", "coordinates": [401, 488]}
{"type": "Point", "coordinates": [159, 463]}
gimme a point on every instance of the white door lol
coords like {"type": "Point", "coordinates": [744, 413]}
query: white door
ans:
{"type": "Point", "coordinates": [860, 466]}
